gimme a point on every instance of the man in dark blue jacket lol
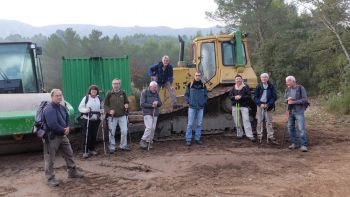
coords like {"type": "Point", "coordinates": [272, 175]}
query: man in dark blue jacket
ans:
{"type": "Point", "coordinates": [265, 97]}
{"type": "Point", "coordinates": [57, 129]}
{"type": "Point", "coordinates": [196, 97]}
{"type": "Point", "coordinates": [162, 73]}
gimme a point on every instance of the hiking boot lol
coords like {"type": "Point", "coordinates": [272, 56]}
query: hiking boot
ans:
{"type": "Point", "coordinates": [239, 133]}
{"type": "Point", "coordinates": [198, 142]}
{"type": "Point", "coordinates": [188, 143]}
{"type": "Point", "coordinates": [150, 146]}
{"type": "Point", "coordinates": [252, 139]}
{"type": "Point", "coordinates": [272, 140]}
{"type": "Point", "coordinates": [126, 148]}
{"type": "Point", "coordinates": [292, 146]}
{"type": "Point", "coordinates": [74, 173]}
{"type": "Point", "coordinates": [93, 153]}
{"type": "Point", "coordinates": [85, 155]}
{"type": "Point", "coordinates": [143, 144]}
{"type": "Point", "coordinates": [239, 137]}
{"type": "Point", "coordinates": [303, 149]}
{"type": "Point", "coordinates": [53, 182]}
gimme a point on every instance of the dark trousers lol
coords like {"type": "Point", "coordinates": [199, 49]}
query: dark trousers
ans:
{"type": "Point", "coordinates": [92, 132]}
{"type": "Point", "coordinates": [51, 146]}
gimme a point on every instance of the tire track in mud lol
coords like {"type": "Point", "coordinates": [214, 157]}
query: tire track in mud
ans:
{"type": "Point", "coordinates": [100, 182]}
{"type": "Point", "coordinates": [96, 184]}
{"type": "Point", "coordinates": [137, 167]}
{"type": "Point", "coordinates": [4, 191]}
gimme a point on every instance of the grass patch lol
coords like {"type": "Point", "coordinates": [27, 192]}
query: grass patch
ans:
{"type": "Point", "coordinates": [339, 103]}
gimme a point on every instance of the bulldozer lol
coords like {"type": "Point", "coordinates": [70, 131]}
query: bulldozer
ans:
{"type": "Point", "coordinates": [219, 58]}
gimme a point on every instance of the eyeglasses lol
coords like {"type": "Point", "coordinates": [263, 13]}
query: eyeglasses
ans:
{"type": "Point", "coordinates": [197, 75]}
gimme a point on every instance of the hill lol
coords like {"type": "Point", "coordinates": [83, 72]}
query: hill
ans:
{"type": "Point", "coordinates": [10, 27]}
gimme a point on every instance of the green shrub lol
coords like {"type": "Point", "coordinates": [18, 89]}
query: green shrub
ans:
{"type": "Point", "coordinates": [137, 93]}
{"type": "Point", "coordinates": [340, 103]}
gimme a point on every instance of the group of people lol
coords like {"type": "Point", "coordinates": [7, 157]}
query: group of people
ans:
{"type": "Point", "coordinates": [265, 97]}
{"type": "Point", "coordinates": [116, 105]}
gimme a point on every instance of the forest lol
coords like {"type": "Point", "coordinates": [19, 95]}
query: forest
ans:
{"type": "Point", "coordinates": [309, 39]}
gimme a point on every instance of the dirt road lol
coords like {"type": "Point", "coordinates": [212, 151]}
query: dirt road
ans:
{"type": "Point", "coordinates": [222, 166]}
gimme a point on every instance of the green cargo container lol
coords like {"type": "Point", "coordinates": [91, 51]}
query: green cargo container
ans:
{"type": "Point", "coordinates": [79, 73]}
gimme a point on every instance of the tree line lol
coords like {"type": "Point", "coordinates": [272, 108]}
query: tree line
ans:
{"type": "Point", "coordinates": [143, 51]}
{"type": "Point", "coordinates": [309, 39]}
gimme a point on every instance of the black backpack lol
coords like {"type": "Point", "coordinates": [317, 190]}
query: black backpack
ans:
{"type": "Point", "coordinates": [273, 107]}
{"type": "Point", "coordinates": [38, 128]}
{"type": "Point", "coordinates": [305, 104]}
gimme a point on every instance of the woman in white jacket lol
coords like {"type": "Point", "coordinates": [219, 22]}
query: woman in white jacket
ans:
{"type": "Point", "coordinates": [90, 108]}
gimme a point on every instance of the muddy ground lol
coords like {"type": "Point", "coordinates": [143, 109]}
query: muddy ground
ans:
{"type": "Point", "coordinates": [222, 166]}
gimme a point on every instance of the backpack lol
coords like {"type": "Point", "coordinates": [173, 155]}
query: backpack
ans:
{"type": "Point", "coordinates": [305, 104]}
{"type": "Point", "coordinates": [273, 107]}
{"type": "Point", "coordinates": [86, 101]}
{"type": "Point", "coordinates": [38, 128]}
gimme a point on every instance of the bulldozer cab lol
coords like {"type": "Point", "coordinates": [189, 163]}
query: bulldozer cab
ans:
{"type": "Point", "coordinates": [20, 70]}
{"type": "Point", "coordinates": [219, 58]}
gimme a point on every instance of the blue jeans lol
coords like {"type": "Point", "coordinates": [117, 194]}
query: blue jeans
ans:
{"type": "Point", "coordinates": [112, 125]}
{"type": "Point", "coordinates": [299, 117]}
{"type": "Point", "coordinates": [191, 115]}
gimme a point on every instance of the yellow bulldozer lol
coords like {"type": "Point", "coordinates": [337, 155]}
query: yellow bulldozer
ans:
{"type": "Point", "coordinates": [219, 58]}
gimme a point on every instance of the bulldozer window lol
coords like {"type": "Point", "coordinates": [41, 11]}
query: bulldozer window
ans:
{"type": "Point", "coordinates": [228, 54]}
{"type": "Point", "coordinates": [207, 61]}
{"type": "Point", "coordinates": [16, 63]}
{"type": "Point", "coordinates": [243, 54]}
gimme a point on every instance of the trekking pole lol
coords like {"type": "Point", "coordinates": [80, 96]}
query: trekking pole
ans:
{"type": "Point", "coordinates": [262, 125]}
{"type": "Point", "coordinates": [87, 131]}
{"type": "Point", "coordinates": [285, 129]}
{"type": "Point", "coordinates": [236, 117]}
{"type": "Point", "coordinates": [127, 123]}
{"type": "Point", "coordinates": [149, 141]}
{"type": "Point", "coordinates": [265, 121]}
{"type": "Point", "coordinates": [109, 136]}
{"type": "Point", "coordinates": [238, 126]}
{"type": "Point", "coordinates": [103, 134]}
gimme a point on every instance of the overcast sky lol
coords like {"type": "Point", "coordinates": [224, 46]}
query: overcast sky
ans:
{"type": "Point", "coordinates": [124, 13]}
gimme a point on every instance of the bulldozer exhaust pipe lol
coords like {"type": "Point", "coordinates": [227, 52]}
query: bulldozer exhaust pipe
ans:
{"type": "Point", "coordinates": [182, 48]}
